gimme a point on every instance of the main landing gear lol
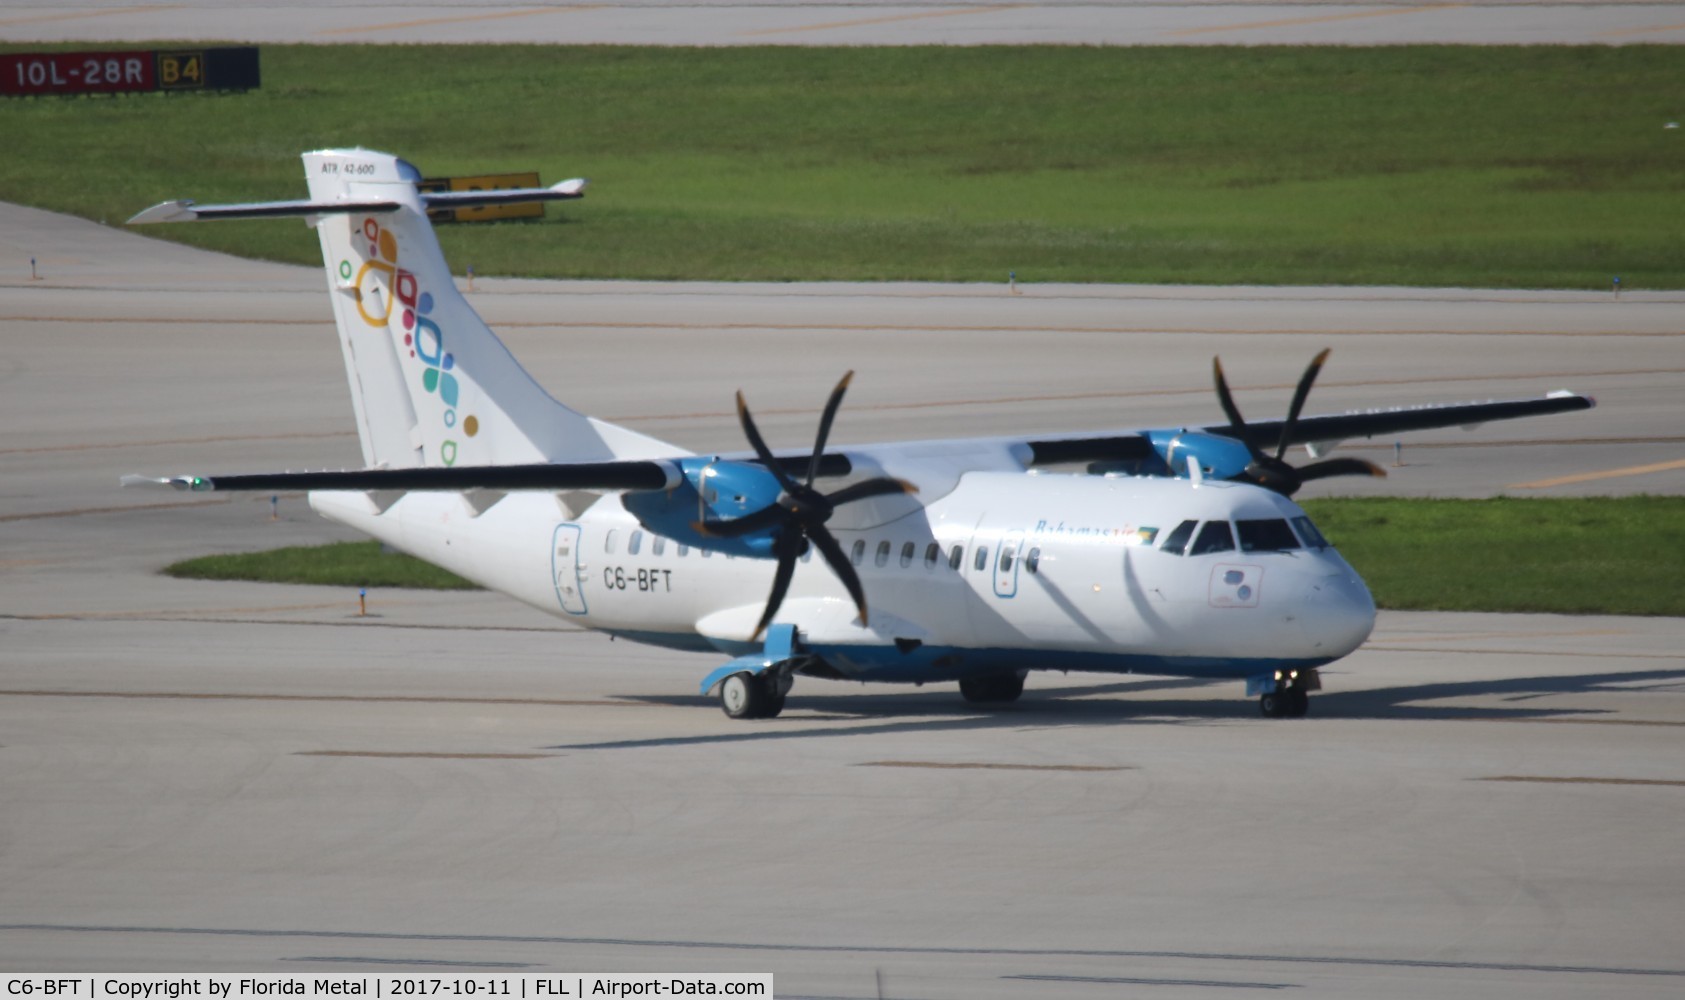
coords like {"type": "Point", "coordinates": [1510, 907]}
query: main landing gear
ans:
{"type": "Point", "coordinates": [754, 696]}
{"type": "Point", "coordinates": [995, 689]}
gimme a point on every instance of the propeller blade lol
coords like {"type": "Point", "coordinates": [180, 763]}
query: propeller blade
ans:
{"type": "Point", "coordinates": [1303, 390]}
{"type": "Point", "coordinates": [1345, 466]}
{"type": "Point", "coordinates": [825, 425]}
{"type": "Point", "coordinates": [759, 444]}
{"type": "Point", "coordinates": [1226, 399]}
{"type": "Point", "coordinates": [840, 565]}
{"type": "Point", "coordinates": [879, 487]}
{"type": "Point", "coordinates": [787, 555]}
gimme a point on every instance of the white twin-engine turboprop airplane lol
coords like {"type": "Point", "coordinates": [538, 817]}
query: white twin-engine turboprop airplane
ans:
{"type": "Point", "coordinates": [1176, 551]}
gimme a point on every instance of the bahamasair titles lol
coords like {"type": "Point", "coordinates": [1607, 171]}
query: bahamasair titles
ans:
{"type": "Point", "coordinates": [1172, 550]}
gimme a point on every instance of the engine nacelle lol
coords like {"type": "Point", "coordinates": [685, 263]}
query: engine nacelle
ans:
{"type": "Point", "coordinates": [711, 491]}
{"type": "Point", "coordinates": [1218, 457]}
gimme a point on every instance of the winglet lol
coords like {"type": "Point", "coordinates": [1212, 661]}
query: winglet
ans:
{"type": "Point", "coordinates": [195, 484]}
{"type": "Point", "coordinates": [167, 211]}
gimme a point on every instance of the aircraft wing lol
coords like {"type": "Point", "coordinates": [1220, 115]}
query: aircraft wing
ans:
{"type": "Point", "coordinates": [638, 475]}
{"type": "Point", "coordinates": [1142, 445]}
{"type": "Point", "coordinates": [1394, 420]}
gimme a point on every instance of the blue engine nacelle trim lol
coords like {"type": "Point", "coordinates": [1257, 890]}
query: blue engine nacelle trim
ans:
{"type": "Point", "coordinates": [716, 490]}
{"type": "Point", "coordinates": [780, 647]}
{"type": "Point", "coordinates": [1218, 457]}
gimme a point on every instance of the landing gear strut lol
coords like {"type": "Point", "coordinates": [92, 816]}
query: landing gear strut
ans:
{"type": "Point", "coordinates": [1286, 702]}
{"type": "Point", "coordinates": [996, 688]}
{"type": "Point", "coordinates": [750, 696]}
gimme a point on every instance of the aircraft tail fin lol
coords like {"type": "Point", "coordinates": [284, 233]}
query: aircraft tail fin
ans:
{"type": "Point", "coordinates": [430, 383]}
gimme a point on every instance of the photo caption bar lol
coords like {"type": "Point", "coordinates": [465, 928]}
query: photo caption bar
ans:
{"type": "Point", "coordinates": [388, 986]}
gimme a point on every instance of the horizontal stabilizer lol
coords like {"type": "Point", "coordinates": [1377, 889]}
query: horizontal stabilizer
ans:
{"type": "Point", "coordinates": [635, 475]}
{"type": "Point", "coordinates": [189, 211]}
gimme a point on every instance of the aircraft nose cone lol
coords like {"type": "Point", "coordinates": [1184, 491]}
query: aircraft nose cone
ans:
{"type": "Point", "coordinates": [1338, 614]}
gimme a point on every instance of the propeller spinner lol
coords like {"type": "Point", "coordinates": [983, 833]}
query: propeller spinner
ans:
{"type": "Point", "coordinates": [801, 512]}
{"type": "Point", "coordinates": [1270, 471]}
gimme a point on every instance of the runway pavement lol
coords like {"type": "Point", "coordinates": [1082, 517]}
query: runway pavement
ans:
{"type": "Point", "coordinates": [859, 22]}
{"type": "Point", "coordinates": [199, 776]}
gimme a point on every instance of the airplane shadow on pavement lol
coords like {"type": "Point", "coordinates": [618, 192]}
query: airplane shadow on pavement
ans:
{"type": "Point", "coordinates": [880, 711]}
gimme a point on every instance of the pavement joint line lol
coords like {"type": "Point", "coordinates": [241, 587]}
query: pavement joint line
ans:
{"type": "Point", "coordinates": [1545, 779]}
{"type": "Point", "coordinates": [351, 698]}
{"type": "Point", "coordinates": [1276, 958]}
{"type": "Point", "coordinates": [423, 755]}
{"type": "Point", "coordinates": [886, 19]}
{"type": "Point", "coordinates": [1472, 651]}
{"type": "Point", "coordinates": [354, 621]}
{"type": "Point", "coordinates": [1471, 636]}
{"type": "Point", "coordinates": [980, 766]}
{"type": "Point", "coordinates": [140, 508]}
{"type": "Point", "coordinates": [884, 328]}
{"type": "Point", "coordinates": [173, 442]}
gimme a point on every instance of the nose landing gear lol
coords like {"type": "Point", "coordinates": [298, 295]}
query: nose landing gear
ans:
{"type": "Point", "coordinates": [1287, 694]}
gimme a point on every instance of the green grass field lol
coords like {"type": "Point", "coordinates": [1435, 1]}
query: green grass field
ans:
{"type": "Point", "coordinates": [341, 564]}
{"type": "Point", "coordinates": [1595, 555]}
{"type": "Point", "coordinates": [1497, 167]}
{"type": "Point", "coordinates": [1617, 556]}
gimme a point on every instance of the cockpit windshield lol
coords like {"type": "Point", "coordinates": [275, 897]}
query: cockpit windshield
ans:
{"type": "Point", "coordinates": [1272, 534]}
{"type": "Point", "coordinates": [1268, 535]}
{"type": "Point", "coordinates": [1313, 538]}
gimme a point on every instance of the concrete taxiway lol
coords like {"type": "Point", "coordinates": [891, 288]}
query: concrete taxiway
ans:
{"type": "Point", "coordinates": [854, 22]}
{"type": "Point", "coordinates": [199, 776]}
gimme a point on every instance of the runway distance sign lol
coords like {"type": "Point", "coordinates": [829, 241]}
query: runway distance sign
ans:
{"type": "Point", "coordinates": [40, 74]}
{"type": "Point", "coordinates": [484, 213]}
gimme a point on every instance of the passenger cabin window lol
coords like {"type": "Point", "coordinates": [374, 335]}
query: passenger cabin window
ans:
{"type": "Point", "coordinates": [882, 557]}
{"type": "Point", "coordinates": [609, 541]}
{"type": "Point", "coordinates": [932, 554]}
{"type": "Point", "coordinates": [1006, 560]}
{"type": "Point", "coordinates": [858, 554]}
{"type": "Point", "coordinates": [636, 543]}
{"type": "Point", "coordinates": [1032, 561]}
{"type": "Point", "coordinates": [1176, 543]}
{"type": "Point", "coordinates": [1214, 536]}
{"type": "Point", "coordinates": [683, 550]}
{"type": "Point", "coordinates": [807, 553]}
{"type": "Point", "coordinates": [907, 551]}
{"type": "Point", "coordinates": [982, 559]}
{"type": "Point", "coordinates": [1271, 535]}
{"type": "Point", "coordinates": [1308, 534]}
{"type": "Point", "coordinates": [956, 558]}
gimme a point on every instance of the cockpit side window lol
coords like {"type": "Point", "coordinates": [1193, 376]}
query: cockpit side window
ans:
{"type": "Point", "coordinates": [1215, 536]}
{"type": "Point", "coordinates": [1308, 534]}
{"type": "Point", "coordinates": [1176, 543]}
{"type": "Point", "coordinates": [1270, 535]}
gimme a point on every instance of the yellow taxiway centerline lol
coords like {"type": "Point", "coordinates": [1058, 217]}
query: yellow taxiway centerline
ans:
{"type": "Point", "coordinates": [888, 19]}
{"type": "Point", "coordinates": [1289, 22]}
{"type": "Point", "coordinates": [459, 19]}
{"type": "Point", "coordinates": [78, 15]}
{"type": "Point", "coordinates": [1629, 32]}
{"type": "Point", "coordinates": [1588, 477]}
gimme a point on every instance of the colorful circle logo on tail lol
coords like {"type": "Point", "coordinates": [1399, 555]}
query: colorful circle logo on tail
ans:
{"type": "Point", "coordinates": [423, 336]}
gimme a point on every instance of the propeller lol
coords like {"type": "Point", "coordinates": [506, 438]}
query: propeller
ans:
{"type": "Point", "coordinates": [801, 511]}
{"type": "Point", "coordinates": [1270, 471]}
